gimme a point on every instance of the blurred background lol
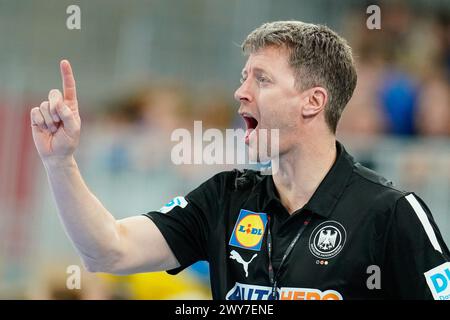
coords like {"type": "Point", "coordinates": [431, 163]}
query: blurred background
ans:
{"type": "Point", "coordinates": [144, 68]}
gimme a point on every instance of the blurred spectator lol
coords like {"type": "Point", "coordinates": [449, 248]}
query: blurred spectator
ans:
{"type": "Point", "coordinates": [398, 96]}
{"type": "Point", "coordinates": [433, 114]}
{"type": "Point", "coordinates": [363, 114]}
{"type": "Point", "coordinates": [403, 82]}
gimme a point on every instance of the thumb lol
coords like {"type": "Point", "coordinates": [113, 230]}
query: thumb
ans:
{"type": "Point", "coordinates": [71, 125]}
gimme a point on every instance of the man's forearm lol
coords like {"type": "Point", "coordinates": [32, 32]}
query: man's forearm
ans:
{"type": "Point", "coordinates": [89, 225]}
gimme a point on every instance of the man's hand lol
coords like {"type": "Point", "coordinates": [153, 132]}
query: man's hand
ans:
{"type": "Point", "coordinates": [105, 245]}
{"type": "Point", "coordinates": [56, 123]}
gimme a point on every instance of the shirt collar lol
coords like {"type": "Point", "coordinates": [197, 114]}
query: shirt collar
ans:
{"type": "Point", "coordinates": [327, 194]}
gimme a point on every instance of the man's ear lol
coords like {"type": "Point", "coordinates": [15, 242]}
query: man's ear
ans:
{"type": "Point", "coordinates": [316, 99]}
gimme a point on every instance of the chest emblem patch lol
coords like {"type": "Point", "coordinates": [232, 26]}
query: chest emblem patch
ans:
{"type": "Point", "coordinates": [248, 231]}
{"type": "Point", "coordinates": [327, 240]}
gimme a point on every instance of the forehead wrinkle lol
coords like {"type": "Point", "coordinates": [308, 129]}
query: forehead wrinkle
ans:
{"type": "Point", "coordinates": [256, 70]}
{"type": "Point", "coordinates": [265, 56]}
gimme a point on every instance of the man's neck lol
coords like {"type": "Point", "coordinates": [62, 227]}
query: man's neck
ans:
{"type": "Point", "coordinates": [302, 170]}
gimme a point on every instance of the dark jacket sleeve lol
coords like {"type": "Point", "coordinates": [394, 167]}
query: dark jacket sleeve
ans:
{"type": "Point", "coordinates": [414, 246]}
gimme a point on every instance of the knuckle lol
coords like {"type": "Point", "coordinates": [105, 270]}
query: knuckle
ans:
{"type": "Point", "coordinates": [44, 105]}
{"type": "Point", "coordinates": [35, 114]}
{"type": "Point", "coordinates": [53, 103]}
{"type": "Point", "coordinates": [52, 108]}
{"type": "Point", "coordinates": [54, 93]}
{"type": "Point", "coordinates": [39, 121]}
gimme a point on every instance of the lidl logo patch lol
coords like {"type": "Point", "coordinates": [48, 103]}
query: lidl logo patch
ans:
{"type": "Point", "coordinates": [248, 232]}
{"type": "Point", "coordinates": [438, 280]}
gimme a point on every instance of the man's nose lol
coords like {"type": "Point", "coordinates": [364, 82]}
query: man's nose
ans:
{"type": "Point", "coordinates": [243, 93]}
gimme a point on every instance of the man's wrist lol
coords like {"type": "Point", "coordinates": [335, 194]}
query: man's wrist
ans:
{"type": "Point", "coordinates": [59, 162]}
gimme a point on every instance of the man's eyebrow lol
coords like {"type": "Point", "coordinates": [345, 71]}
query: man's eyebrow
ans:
{"type": "Point", "coordinates": [260, 70]}
{"type": "Point", "coordinates": [256, 70]}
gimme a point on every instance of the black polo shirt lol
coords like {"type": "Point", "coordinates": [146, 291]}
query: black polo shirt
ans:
{"type": "Point", "coordinates": [358, 238]}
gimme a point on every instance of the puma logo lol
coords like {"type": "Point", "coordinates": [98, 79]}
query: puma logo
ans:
{"type": "Point", "coordinates": [236, 256]}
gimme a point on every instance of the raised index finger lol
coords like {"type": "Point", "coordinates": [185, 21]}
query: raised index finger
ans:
{"type": "Point", "coordinates": [70, 91]}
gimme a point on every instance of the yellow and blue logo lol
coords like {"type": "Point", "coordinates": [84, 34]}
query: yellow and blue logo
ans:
{"type": "Point", "coordinates": [248, 232]}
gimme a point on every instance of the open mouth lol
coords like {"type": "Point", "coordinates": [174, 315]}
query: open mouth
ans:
{"type": "Point", "coordinates": [251, 123]}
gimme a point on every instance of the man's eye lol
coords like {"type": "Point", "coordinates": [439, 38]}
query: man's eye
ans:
{"type": "Point", "coordinates": [242, 80]}
{"type": "Point", "coordinates": [262, 79]}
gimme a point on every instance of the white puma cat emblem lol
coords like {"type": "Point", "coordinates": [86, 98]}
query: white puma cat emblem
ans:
{"type": "Point", "coordinates": [236, 256]}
